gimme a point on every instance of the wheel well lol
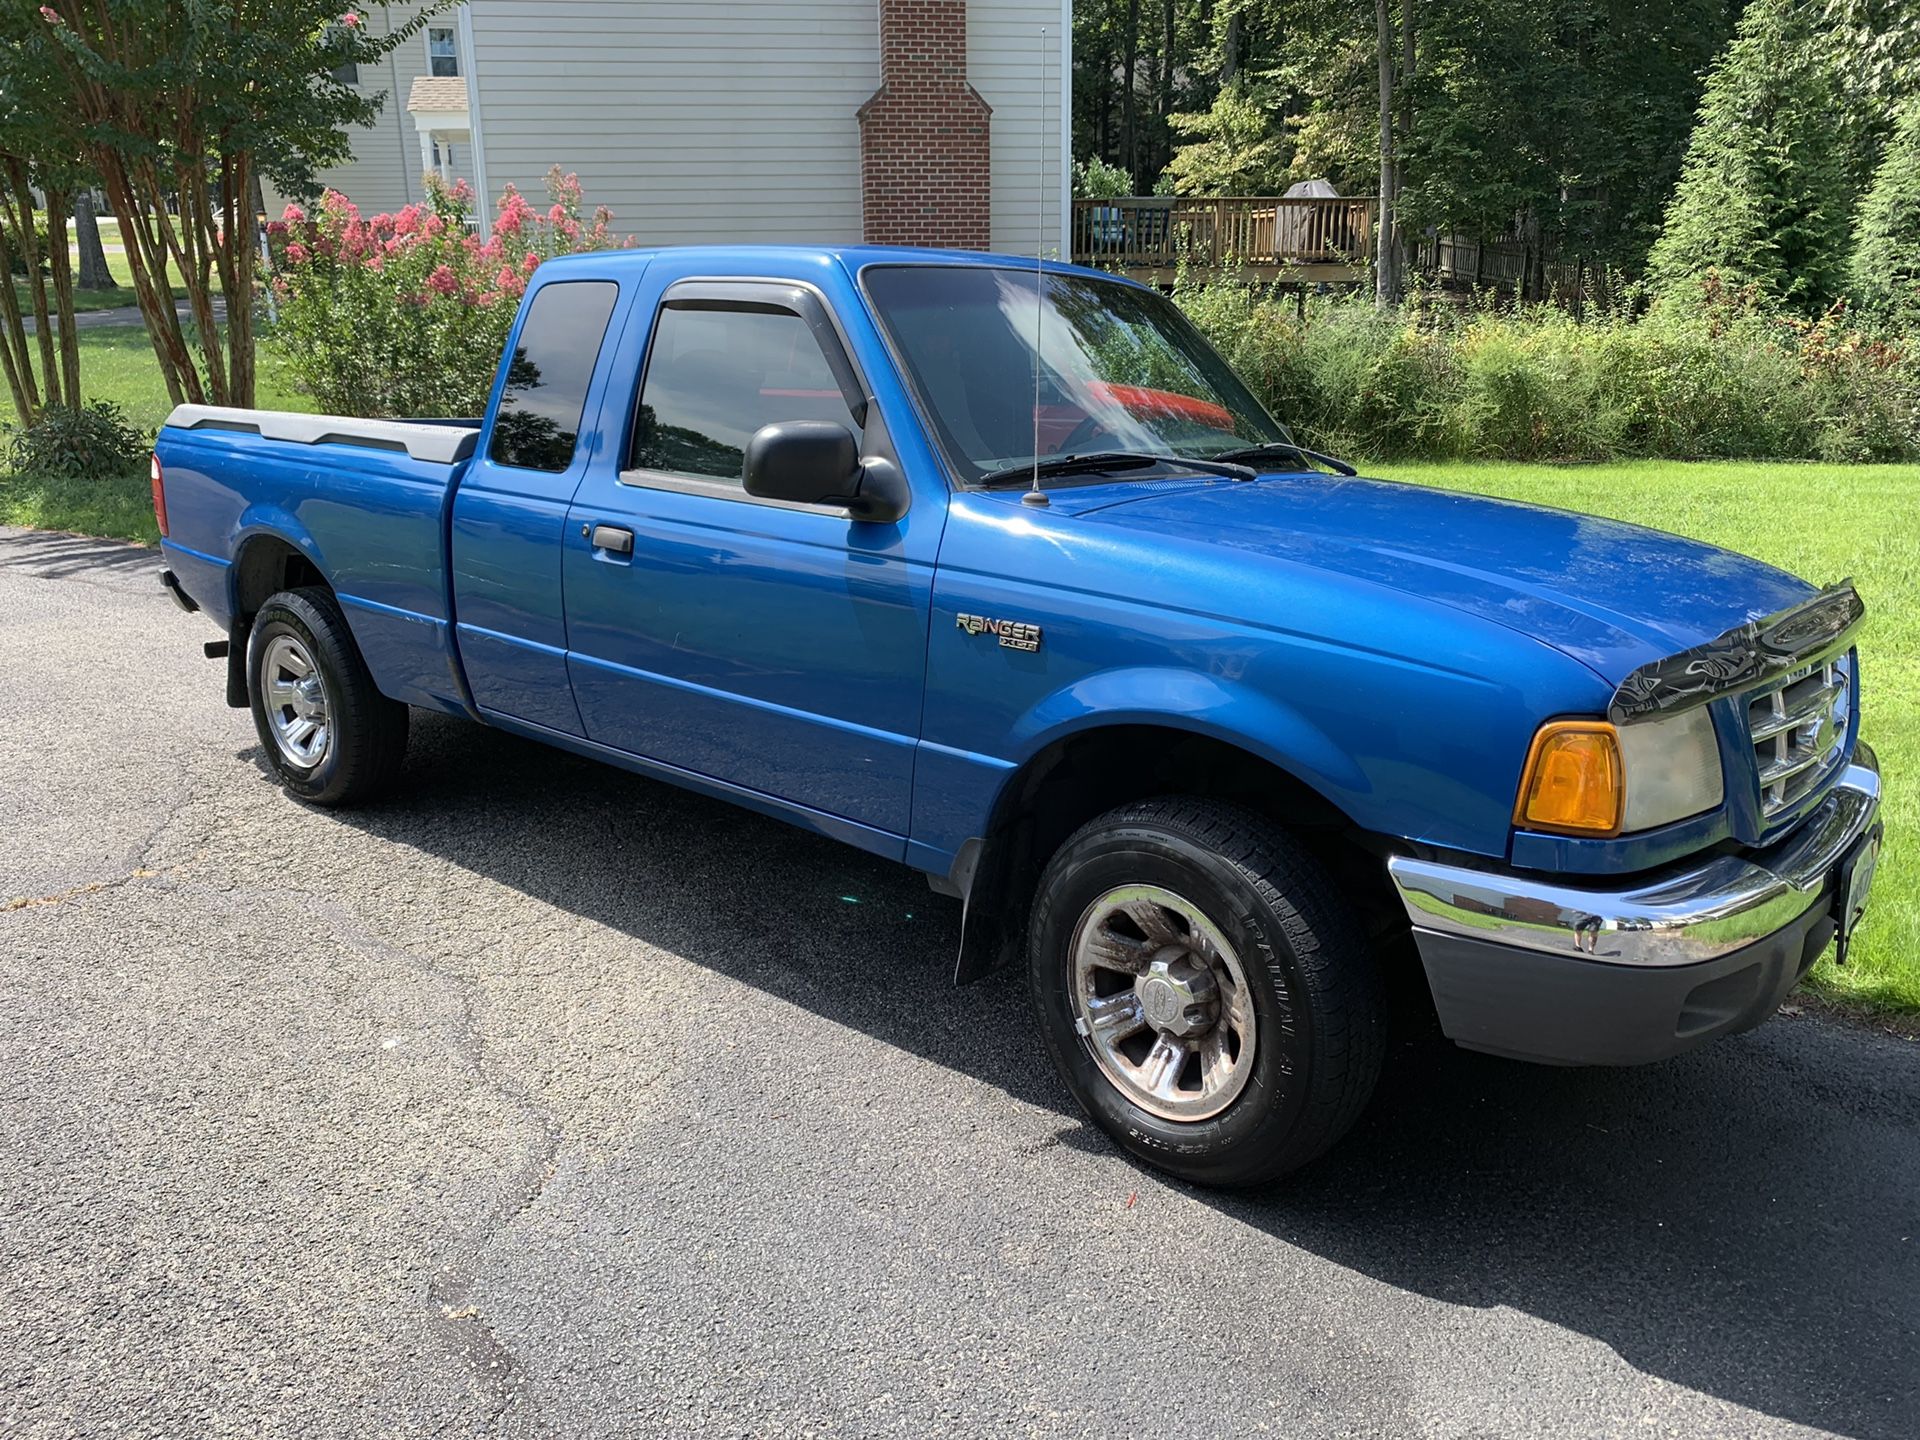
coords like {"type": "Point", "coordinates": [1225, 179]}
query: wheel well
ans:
{"type": "Point", "coordinates": [1085, 775]}
{"type": "Point", "coordinates": [267, 565]}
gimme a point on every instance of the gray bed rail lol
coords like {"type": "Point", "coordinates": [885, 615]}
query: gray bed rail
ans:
{"type": "Point", "coordinates": [436, 443]}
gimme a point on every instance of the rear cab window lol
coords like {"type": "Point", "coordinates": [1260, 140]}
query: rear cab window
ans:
{"type": "Point", "coordinates": [537, 423]}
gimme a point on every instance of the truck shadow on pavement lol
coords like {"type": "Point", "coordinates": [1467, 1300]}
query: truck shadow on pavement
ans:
{"type": "Point", "coordinates": [1742, 1222]}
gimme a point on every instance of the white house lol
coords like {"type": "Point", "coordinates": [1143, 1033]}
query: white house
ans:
{"type": "Point", "coordinates": [830, 121]}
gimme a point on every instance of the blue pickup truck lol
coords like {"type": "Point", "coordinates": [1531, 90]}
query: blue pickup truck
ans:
{"type": "Point", "coordinates": [996, 569]}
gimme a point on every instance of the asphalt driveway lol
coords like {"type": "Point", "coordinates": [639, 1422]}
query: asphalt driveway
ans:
{"type": "Point", "coordinates": [545, 1100]}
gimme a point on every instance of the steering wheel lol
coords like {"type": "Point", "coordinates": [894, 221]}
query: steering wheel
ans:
{"type": "Point", "coordinates": [1082, 433]}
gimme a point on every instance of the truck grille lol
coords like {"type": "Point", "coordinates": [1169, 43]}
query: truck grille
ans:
{"type": "Point", "coordinates": [1799, 731]}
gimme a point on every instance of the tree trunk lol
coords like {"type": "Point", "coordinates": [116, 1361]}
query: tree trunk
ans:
{"type": "Point", "coordinates": [20, 214]}
{"type": "Point", "coordinates": [1402, 256]}
{"type": "Point", "coordinates": [1129, 102]}
{"type": "Point", "coordinates": [1386, 287]}
{"type": "Point", "coordinates": [1230, 49]}
{"type": "Point", "coordinates": [59, 202]}
{"type": "Point", "coordinates": [15, 356]}
{"type": "Point", "coordinates": [94, 274]}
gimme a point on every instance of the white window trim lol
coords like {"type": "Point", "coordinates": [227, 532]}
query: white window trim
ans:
{"type": "Point", "coordinates": [459, 69]}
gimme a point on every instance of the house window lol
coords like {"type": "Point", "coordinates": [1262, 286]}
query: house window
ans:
{"type": "Point", "coordinates": [336, 38]}
{"type": "Point", "coordinates": [443, 51]}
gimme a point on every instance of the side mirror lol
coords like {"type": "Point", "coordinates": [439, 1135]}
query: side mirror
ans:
{"type": "Point", "coordinates": [816, 462]}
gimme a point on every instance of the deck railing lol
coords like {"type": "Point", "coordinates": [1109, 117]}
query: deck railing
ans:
{"type": "Point", "coordinates": [1260, 234]}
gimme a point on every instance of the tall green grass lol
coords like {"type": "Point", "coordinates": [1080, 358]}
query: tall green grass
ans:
{"type": "Point", "coordinates": [1717, 379]}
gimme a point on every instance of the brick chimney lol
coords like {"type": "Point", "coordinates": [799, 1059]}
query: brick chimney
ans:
{"type": "Point", "coordinates": [925, 153]}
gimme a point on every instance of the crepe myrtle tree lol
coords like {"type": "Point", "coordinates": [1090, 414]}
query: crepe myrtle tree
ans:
{"type": "Point", "coordinates": [185, 105]}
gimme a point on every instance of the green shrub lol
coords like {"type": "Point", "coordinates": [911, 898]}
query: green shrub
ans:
{"type": "Point", "coordinates": [16, 256]}
{"type": "Point", "coordinates": [94, 441]}
{"type": "Point", "coordinates": [406, 314]}
{"type": "Point", "coordinates": [1714, 373]}
{"type": "Point", "coordinates": [1095, 179]}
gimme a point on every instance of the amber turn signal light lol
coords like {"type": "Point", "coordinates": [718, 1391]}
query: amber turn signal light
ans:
{"type": "Point", "coordinates": [1573, 784]}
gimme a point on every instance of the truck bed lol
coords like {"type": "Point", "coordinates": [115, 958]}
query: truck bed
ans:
{"type": "Point", "coordinates": [365, 500]}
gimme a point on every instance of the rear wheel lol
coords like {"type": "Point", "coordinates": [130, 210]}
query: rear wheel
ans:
{"type": "Point", "coordinates": [1207, 993]}
{"type": "Point", "coordinates": [331, 737]}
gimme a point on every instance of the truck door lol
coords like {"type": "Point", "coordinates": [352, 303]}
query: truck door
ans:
{"type": "Point", "coordinates": [774, 646]}
{"type": "Point", "coordinates": [510, 513]}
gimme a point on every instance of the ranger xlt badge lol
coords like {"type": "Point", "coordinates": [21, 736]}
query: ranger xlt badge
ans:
{"type": "Point", "coordinates": [1014, 634]}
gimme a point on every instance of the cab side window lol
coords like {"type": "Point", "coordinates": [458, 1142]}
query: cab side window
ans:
{"type": "Point", "coordinates": [538, 423]}
{"type": "Point", "coordinates": [716, 373]}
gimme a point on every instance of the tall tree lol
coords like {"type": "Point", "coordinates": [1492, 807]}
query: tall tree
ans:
{"type": "Point", "coordinates": [40, 148]}
{"type": "Point", "coordinates": [1885, 264]}
{"type": "Point", "coordinates": [94, 273]}
{"type": "Point", "coordinates": [1765, 195]}
{"type": "Point", "coordinates": [184, 104]}
{"type": "Point", "coordinates": [1387, 245]}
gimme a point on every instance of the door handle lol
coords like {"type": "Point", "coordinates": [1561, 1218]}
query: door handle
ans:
{"type": "Point", "coordinates": [613, 539]}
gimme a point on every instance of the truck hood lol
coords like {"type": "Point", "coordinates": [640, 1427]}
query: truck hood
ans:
{"type": "Point", "coordinates": [1611, 595]}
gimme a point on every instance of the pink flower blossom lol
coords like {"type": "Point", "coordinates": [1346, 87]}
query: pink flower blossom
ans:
{"type": "Point", "coordinates": [350, 20]}
{"type": "Point", "coordinates": [531, 263]}
{"type": "Point", "coordinates": [294, 215]}
{"type": "Point", "coordinates": [442, 281]}
{"type": "Point", "coordinates": [51, 15]}
{"type": "Point", "coordinates": [297, 253]}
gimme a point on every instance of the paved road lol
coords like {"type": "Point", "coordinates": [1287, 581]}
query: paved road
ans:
{"type": "Point", "coordinates": [125, 315]}
{"type": "Point", "coordinates": [542, 1100]}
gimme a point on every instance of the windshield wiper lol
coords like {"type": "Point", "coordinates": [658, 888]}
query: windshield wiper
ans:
{"type": "Point", "coordinates": [1094, 461]}
{"type": "Point", "coordinates": [1287, 447]}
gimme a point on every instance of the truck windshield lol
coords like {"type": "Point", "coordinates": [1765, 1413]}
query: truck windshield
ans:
{"type": "Point", "coordinates": [1121, 369]}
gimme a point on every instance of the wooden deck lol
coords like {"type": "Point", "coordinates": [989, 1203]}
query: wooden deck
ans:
{"type": "Point", "coordinates": [1259, 238]}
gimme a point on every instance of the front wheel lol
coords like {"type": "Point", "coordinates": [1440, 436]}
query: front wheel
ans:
{"type": "Point", "coordinates": [1206, 992]}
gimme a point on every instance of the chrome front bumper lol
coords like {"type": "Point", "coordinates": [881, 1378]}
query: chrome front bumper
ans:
{"type": "Point", "coordinates": [1684, 917]}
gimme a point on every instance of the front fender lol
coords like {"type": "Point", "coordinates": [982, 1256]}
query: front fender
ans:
{"type": "Point", "coordinates": [1201, 703]}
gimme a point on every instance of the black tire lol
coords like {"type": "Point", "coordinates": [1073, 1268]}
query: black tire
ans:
{"type": "Point", "coordinates": [368, 738]}
{"type": "Point", "coordinates": [1314, 985]}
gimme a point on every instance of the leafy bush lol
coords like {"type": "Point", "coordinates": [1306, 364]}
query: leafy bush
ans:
{"type": "Point", "coordinates": [1095, 179]}
{"type": "Point", "coordinates": [85, 443]}
{"type": "Point", "coordinates": [406, 314]}
{"type": "Point", "coordinates": [16, 254]}
{"type": "Point", "coordinates": [1718, 373]}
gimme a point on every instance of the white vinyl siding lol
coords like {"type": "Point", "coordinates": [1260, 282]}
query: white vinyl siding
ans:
{"type": "Point", "coordinates": [692, 121]}
{"type": "Point", "coordinates": [1008, 67]}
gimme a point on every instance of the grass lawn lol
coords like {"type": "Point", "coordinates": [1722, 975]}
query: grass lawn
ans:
{"type": "Point", "coordinates": [116, 363]}
{"type": "Point", "coordinates": [83, 300]}
{"type": "Point", "coordinates": [1820, 521]}
{"type": "Point", "coordinates": [1824, 522]}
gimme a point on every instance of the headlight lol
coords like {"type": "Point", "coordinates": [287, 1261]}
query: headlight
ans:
{"type": "Point", "coordinates": [1586, 777]}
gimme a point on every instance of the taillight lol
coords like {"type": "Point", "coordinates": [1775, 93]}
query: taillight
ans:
{"type": "Point", "coordinates": [159, 497]}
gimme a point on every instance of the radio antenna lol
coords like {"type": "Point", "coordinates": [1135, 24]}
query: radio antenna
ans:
{"type": "Point", "coordinates": [1035, 495]}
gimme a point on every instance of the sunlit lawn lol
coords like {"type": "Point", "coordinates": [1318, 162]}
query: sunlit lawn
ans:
{"type": "Point", "coordinates": [1824, 522]}
{"type": "Point", "coordinates": [1820, 521]}
{"type": "Point", "coordinates": [117, 363]}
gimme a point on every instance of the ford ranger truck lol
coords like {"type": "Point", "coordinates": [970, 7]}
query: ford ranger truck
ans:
{"type": "Point", "coordinates": [999, 571]}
